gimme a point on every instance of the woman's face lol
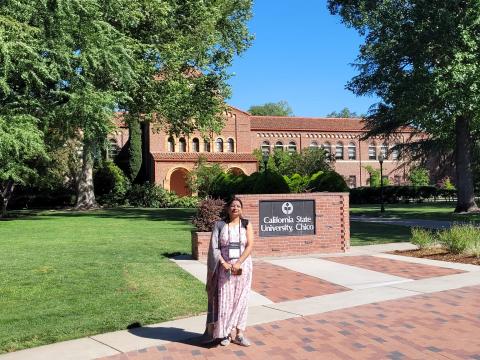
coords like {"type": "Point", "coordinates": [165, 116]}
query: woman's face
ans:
{"type": "Point", "coordinates": [235, 209]}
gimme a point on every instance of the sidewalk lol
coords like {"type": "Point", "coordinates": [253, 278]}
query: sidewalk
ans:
{"type": "Point", "coordinates": [361, 305]}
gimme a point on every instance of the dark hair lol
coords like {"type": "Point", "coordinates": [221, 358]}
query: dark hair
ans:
{"type": "Point", "coordinates": [232, 200]}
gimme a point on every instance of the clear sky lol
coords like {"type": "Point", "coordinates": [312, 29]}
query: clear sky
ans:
{"type": "Point", "coordinates": [300, 54]}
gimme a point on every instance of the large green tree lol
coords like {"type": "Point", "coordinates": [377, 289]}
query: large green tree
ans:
{"type": "Point", "coordinates": [344, 113]}
{"type": "Point", "coordinates": [162, 61]}
{"type": "Point", "coordinates": [421, 58]}
{"type": "Point", "coordinates": [280, 108]}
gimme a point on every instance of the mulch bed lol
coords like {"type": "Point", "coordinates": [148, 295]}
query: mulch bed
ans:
{"type": "Point", "coordinates": [439, 254]}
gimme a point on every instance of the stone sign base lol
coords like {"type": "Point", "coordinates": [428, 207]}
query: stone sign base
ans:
{"type": "Point", "coordinates": [331, 224]}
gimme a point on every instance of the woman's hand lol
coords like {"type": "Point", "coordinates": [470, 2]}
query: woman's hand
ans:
{"type": "Point", "coordinates": [226, 266]}
{"type": "Point", "coordinates": [236, 266]}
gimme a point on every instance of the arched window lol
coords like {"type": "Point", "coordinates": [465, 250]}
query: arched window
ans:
{"type": "Point", "coordinates": [230, 145]}
{"type": "Point", "coordinates": [384, 151]}
{"type": "Point", "coordinates": [195, 145]}
{"type": "Point", "coordinates": [328, 148]}
{"type": "Point", "coordinates": [219, 145]}
{"type": "Point", "coordinates": [372, 152]}
{"type": "Point", "coordinates": [113, 149]}
{"type": "Point", "coordinates": [292, 147]}
{"type": "Point", "coordinates": [314, 144]}
{"type": "Point", "coordinates": [182, 145]}
{"type": "Point", "coordinates": [265, 147]}
{"type": "Point", "coordinates": [171, 144]}
{"type": "Point", "coordinates": [352, 151]}
{"type": "Point", "coordinates": [395, 152]}
{"type": "Point", "coordinates": [206, 145]}
{"type": "Point", "coordinates": [279, 146]}
{"type": "Point", "coordinates": [339, 151]}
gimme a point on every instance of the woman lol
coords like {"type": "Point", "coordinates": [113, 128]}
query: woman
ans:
{"type": "Point", "coordinates": [230, 276]}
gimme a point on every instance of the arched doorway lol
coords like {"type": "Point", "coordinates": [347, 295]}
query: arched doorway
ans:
{"type": "Point", "coordinates": [236, 171]}
{"type": "Point", "coordinates": [178, 182]}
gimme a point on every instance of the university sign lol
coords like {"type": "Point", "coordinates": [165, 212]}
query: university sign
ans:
{"type": "Point", "coordinates": [287, 217]}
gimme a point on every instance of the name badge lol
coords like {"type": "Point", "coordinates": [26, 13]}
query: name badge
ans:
{"type": "Point", "coordinates": [234, 250]}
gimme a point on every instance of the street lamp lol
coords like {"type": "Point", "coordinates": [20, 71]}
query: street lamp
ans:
{"type": "Point", "coordinates": [381, 157]}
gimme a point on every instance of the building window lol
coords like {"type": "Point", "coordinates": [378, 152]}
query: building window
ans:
{"type": "Point", "coordinates": [171, 144]}
{"type": "Point", "coordinates": [384, 151]}
{"type": "Point", "coordinates": [195, 145]}
{"type": "Point", "coordinates": [352, 181]}
{"type": "Point", "coordinates": [314, 144]}
{"type": "Point", "coordinates": [372, 152]}
{"type": "Point", "coordinates": [395, 153]}
{"type": "Point", "coordinates": [397, 180]}
{"type": "Point", "coordinates": [230, 145]}
{"type": "Point", "coordinates": [352, 151]}
{"type": "Point", "coordinates": [182, 145]}
{"type": "Point", "coordinates": [292, 147]}
{"type": "Point", "coordinates": [266, 147]}
{"type": "Point", "coordinates": [219, 145]}
{"type": "Point", "coordinates": [279, 146]}
{"type": "Point", "coordinates": [113, 149]}
{"type": "Point", "coordinates": [328, 148]}
{"type": "Point", "coordinates": [339, 151]}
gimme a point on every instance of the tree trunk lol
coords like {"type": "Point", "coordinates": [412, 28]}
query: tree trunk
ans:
{"type": "Point", "coordinates": [6, 191]}
{"type": "Point", "coordinates": [463, 147]}
{"type": "Point", "coordinates": [85, 194]}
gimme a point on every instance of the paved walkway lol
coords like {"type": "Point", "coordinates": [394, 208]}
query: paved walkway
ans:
{"type": "Point", "coordinates": [362, 305]}
{"type": "Point", "coordinates": [429, 224]}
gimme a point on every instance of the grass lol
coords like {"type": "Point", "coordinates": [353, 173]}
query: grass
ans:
{"type": "Point", "coordinates": [66, 275]}
{"type": "Point", "coordinates": [427, 211]}
{"type": "Point", "coordinates": [363, 233]}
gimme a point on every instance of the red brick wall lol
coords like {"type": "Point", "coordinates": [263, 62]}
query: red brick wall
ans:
{"type": "Point", "coordinates": [332, 227]}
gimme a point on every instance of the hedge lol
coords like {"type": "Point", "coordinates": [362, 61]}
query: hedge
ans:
{"type": "Point", "coordinates": [396, 194]}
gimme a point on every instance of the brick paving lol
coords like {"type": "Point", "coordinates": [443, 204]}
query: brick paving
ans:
{"type": "Point", "coordinates": [280, 284]}
{"type": "Point", "coordinates": [395, 267]}
{"type": "Point", "coordinates": [442, 325]}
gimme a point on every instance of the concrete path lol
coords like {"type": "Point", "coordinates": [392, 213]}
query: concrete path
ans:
{"type": "Point", "coordinates": [330, 284]}
{"type": "Point", "coordinates": [428, 224]}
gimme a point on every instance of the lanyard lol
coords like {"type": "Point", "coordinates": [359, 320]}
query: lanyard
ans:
{"type": "Point", "coordinates": [234, 247]}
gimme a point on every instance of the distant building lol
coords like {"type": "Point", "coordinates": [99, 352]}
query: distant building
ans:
{"type": "Point", "coordinates": [169, 159]}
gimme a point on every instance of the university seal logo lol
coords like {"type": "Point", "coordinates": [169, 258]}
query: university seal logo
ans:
{"type": "Point", "coordinates": [287, 208]}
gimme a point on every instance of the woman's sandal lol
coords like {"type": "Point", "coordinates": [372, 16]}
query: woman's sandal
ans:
{"type": "Point", "coordinates": [242, 341]}
{"type": "Point", "coordinates": [226, 341]}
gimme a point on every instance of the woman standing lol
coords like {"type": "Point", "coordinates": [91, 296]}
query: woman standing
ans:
{"type": "Point", "coordinates": [230, 269]}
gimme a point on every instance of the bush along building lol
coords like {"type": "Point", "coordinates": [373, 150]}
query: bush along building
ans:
{"type": "Point", "coordinates": [168, 159]}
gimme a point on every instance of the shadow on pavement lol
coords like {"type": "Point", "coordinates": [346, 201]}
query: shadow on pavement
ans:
{"type": "Point", "coordinates": [172, 334]}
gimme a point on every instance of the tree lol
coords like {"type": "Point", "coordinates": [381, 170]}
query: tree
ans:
{"type": "Point", "coordinates": [280, 108]}
{"type": "Point", "coordinates": [90, 58]}
{"type": "Point", "coordinates": [201, 178]}
{"type": "Point", "coordinates": [421, 59]}
{"type": "Point", "coordinates": [20, 144]}
{"type": "Point", "coordinates": [344, 113]}
{"type": "Point", "coordinates": [134, 149]}
{"type": "Point", "coordinates": [374, 179]}
{"type": "Point", "coordinates": [419, 177]}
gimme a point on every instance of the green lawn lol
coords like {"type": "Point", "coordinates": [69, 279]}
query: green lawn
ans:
{"type": "Point", "coordinates": [429, 211]}
{"type": "Point", "coordinates": [363, 233]}
{"type": "Point", "coordinates": [66, 275]}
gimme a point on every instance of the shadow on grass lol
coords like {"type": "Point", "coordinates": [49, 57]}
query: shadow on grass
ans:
{"type": "Point", "coordinates": [372, 233]}
{"type": "Point", "coordinates": [177, 255]}
{"type": "Point", "coordinates": [114, 213]}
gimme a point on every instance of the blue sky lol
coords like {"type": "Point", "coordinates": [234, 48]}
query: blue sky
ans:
{"type": "Point", "coordinates": [300, 54]}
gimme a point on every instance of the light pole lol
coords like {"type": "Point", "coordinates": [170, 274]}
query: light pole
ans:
{"type": "Point", "coordinates": [380, 160]}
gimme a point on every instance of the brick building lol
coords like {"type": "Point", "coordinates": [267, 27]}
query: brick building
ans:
{"type": "Point", "coordinates": [169, 159]}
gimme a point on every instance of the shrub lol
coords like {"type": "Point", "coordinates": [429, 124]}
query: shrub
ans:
{"type": "Point", "coordinates": [297, 183]}
{"type": "Point", "coordinates": [110, 184]}
{"type": "Point", "coordinates": [423, 238]}
{"type": "Point", "coordinates": [474, 246]}
{"type": "Point", "coordinates": [201, 179]}
{"type": "Point", "coordinates": [458, 238]}
{"type": "Point", "coordinates": [153, 196]}
{"type": "Point", "coordinates": [328, 181]}
{"type": "Point", "coordinates": [209, 211]}
{"type": "Point", "coordinates": [268, 182]}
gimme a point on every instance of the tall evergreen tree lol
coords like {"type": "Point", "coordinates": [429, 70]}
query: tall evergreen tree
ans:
{"type": "Point", "coordinates": [421, 58]}
{"type": "Point", "coordinates": [134, 149]}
